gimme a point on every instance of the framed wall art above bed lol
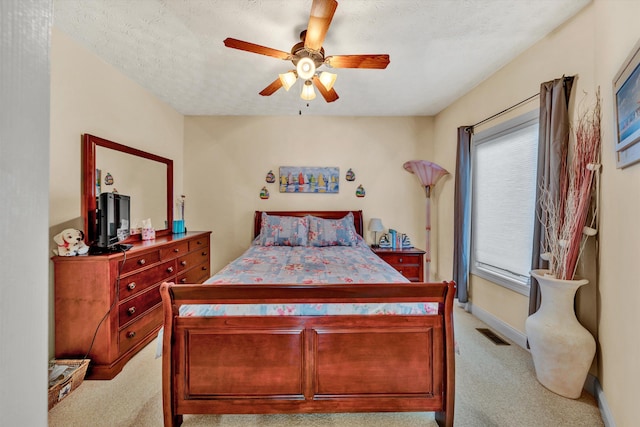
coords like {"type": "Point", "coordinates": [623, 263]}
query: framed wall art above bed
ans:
{"type": "Point", "coordinates": [297, 179]}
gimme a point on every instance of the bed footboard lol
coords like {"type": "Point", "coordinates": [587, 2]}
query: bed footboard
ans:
{"type": "Point", "coordinates": [308, 364]}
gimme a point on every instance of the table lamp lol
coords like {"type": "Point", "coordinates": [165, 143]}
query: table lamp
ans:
{"type": "Point", "coordinates": [375, 225]}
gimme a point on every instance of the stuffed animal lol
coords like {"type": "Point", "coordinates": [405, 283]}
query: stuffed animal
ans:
{"type": "Point", "coordinates": [71, 242]}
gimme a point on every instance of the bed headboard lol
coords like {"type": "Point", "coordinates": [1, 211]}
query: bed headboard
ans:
{"type": "Point", "coordinates": [357, 218]}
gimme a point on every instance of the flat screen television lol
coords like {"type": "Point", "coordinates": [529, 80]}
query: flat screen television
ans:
{"type": "Point", "coordinates": [113, 219]}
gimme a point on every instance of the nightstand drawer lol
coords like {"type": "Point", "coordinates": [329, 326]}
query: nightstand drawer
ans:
{"type": "Point", "coordinates": [400, 259]}
{"type": "Point", "coordinates": [407, 261]}
{"type": "Point", "coordinates": [411, 272]}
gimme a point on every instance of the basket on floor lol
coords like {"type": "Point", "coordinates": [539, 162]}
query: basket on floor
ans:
{"type": "Point", "coordinates": [69, 380]}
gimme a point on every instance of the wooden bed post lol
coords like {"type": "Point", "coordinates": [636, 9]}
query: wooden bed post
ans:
{"type": "Point", "coordinates": [445, 418]}
{"type": "Point", "coordinates": [170, 312]}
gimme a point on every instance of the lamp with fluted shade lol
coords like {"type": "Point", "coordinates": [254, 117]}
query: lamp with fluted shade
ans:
{"type": "Point", "coordinates": [375, 225]}
{"type": "Point", "coordinates": [428, 173]}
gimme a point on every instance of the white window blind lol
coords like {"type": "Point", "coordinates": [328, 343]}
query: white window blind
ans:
{"type": "Point", "coordinates": [504, 187]}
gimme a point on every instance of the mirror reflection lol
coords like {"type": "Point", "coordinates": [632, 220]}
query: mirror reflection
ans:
{"type": "Point", "coordinates": [143, 180]}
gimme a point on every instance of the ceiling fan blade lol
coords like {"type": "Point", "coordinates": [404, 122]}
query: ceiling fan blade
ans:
{"type": "Point", "coordinates": [319, 20]}
{"type": "Point", "coordinates": [357, 61]}
{"type": "Point", "coordinates": [274, 86]}
{"type": "Point", "coordinates": [256, 48]}
{"type": "Point", "coordinates": [328, 95]}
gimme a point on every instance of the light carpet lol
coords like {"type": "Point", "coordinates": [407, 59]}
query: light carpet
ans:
{"type": "Point", "coordinates": [495, 387]}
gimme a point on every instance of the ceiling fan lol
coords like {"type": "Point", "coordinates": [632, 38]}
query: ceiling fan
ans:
{"type": "Point", "coordinates": [308, 55]}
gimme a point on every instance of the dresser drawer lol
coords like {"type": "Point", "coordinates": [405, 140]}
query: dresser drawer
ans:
{"type": "Point", "coordinates": [134, 307]}
{"type": "Point", "coordinates": [139, 261]}
{"type": "Point", "coordinates": [198, 243]}
{"type": "Point", "coordinates": [196, 275]}
{"type": "Point", "coordinates": [174, 251]}
{"type": "Point", "coordinates": [137, 282]}
{"type": "Point", "coordinates": [140, 329]}
{"type": "Point", "coordinates": [193, 259]}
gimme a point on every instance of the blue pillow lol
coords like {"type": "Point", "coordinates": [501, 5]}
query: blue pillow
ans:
{"type": "Point", "coordinates": [283, 230]}
{"type": "Point", "coordinates": [332, 232]}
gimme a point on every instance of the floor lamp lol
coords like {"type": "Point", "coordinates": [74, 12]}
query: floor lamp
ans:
{"type": "Point", "coordinates": [429, 173]}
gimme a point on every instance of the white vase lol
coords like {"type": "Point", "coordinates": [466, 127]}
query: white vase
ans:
{"type": "Point", "coordinates": [561, 347]}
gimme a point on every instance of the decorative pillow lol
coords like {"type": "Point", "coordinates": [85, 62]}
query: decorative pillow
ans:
{"type": "Point", "coordinates": [332, 232]}
{"type": "Point", "coordinates": [283, 230]}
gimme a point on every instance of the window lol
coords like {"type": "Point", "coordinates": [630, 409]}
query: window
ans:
{"type": "Point", "coordinates": [504, 163]}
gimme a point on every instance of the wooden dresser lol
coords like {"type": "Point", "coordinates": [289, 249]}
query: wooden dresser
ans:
{"type": "Point", "coordinates": [125, 294]}
{"type": "Point", "coordinates": [409, 262]}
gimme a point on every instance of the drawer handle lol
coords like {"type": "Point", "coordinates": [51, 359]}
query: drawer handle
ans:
{"type": "Point", "coordinates": [176, 250]}
{"type": "Point", "coordinates": [199, 242]}
{"type": "Point", "coordinates": [131, 334]}
{"type": "Point", "coordinates": [142, 261]}
{"type": "Point", "coordinates": [204, 268]}
{"type": "Point", "coordinates": [183, 263]}
{"type": "Point", "coordinates": [400, 260]}
{"type": "Point", "coordinates": [204, 253]}
{"type": "Point", "coordinates": [131, 286]}
{"type": "Point", "coordinates": [183, 280]}
{"type": "Point", "coordinates": [131, 310]}
{"type": "Point", "coordinates": [170, 270]}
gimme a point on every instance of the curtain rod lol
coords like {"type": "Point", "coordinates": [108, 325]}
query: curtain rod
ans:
{"type": "Point", "coordinates": [504, 111]}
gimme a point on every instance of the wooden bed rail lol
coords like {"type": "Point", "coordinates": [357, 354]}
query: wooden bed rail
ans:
{"type": "Point", "coordinates": [307, 294]}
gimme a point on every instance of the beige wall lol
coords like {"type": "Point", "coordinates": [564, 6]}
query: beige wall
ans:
{"type": "Point", "coordinates": [592, 46]}
{"type": "Point", "coordinates": [617, 32]}
{"type": "Point", "coordinates": [90, 96]}
{"type": "Point", "coordinates": [229, 157]}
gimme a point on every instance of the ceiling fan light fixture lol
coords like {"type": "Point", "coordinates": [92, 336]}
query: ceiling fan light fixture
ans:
{"type": "Point", "coordinates": [328, 79]}
{"type": "Point", "coordinates": [307, 91]}
{"type": "Point", "coordinates": [288, 79]}
{"type": "Point", "coordinates": [306, 68]}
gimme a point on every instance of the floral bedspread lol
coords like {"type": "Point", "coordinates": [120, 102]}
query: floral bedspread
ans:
{"type": "Point", "coordinates": [307, 265]}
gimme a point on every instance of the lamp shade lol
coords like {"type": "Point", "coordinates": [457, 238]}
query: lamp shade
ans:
{"type": "Point", "coordinates": [307, 91]}
{"type": "Point", "coordinates": [328, 79]}
{"type": "Point", "coordinates": [288, 79]}
{"type": "Point", "coordinates": [375, 224]}
{"type": "Point", "coordinates": [428, 172]}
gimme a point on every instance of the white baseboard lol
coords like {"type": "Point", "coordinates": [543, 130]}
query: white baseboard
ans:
{"type": "Point", "coordinates": [592, 385]}
{"type": "Point", "coordinates": [605, 412]}
{"type": "Point", "coordinates": [498, 325]}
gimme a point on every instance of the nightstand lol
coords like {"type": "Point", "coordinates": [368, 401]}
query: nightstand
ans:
{"type": "Point", "coordinates": [409, 262]}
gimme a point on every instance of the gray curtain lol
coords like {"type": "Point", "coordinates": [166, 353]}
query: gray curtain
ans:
{"type": "Point", "coordinates": [462, 214]}
{"type": "Point", "coordinates": [552, 147]}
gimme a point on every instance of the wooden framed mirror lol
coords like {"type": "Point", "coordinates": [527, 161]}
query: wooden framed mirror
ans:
{"type": "Point", "coordinates": [145, 177]}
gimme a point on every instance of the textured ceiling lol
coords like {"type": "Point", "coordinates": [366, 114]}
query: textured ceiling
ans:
{"type": "Point", "coordinates": [439, 49]}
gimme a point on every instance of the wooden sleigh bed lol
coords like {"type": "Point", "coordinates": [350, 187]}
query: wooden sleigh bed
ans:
{"type": "Point", "coordinates": [308, 364]}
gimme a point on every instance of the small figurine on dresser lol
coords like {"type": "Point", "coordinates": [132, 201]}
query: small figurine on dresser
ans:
{"type": "Point", "coordinates": [70, 243]}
